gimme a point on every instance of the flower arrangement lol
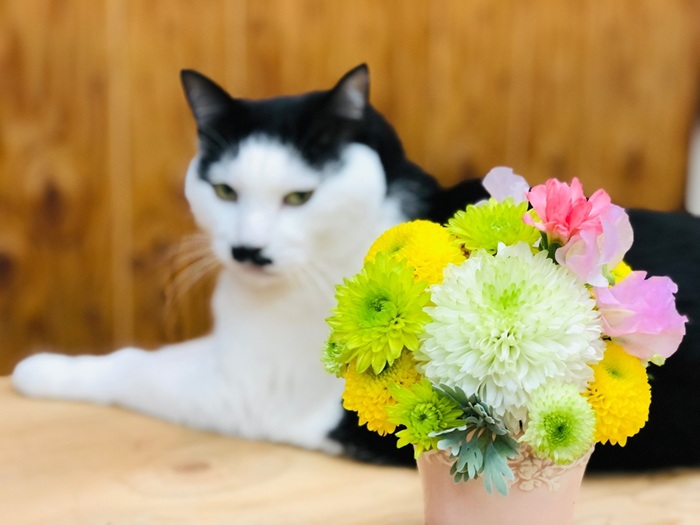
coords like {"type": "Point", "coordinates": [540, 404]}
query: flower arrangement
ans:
{"type": "Point", "coordinates": [516, 324]}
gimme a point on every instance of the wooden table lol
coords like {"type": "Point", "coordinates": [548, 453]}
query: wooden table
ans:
{"type": "Point", "coordinates": [75, 464]}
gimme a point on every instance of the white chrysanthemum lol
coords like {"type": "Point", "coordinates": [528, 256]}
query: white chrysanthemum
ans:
{"type": "Point", "coordinates": [503, 325]}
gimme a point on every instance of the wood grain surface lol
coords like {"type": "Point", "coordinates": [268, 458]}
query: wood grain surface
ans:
{"type": "Point", "coordinates": [95, 135]}
{"type": "Point", "coordinates": [74, 464]}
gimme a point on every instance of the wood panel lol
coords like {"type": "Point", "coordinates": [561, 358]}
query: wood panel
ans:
{"type": "Point", "coordinates": [162, 141]}
{"type": "Point", "coordinates": [55, 212]}
{"type": "Point", "coordinates": [603, 91]}
{"type": "Point", "coordinates": [95, 135]}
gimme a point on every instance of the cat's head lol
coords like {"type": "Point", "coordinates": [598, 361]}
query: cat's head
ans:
{"type": "Point", "coordinates": [291, 183]}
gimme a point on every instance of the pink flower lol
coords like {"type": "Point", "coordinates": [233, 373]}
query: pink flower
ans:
{"type": "Point", "coordinates": [587, 253]}
{"type": "Point", "coordinates": [502, 183]}
{"type": "Point", "coordinates": [640, 314]}
{"type": "Point", "coordinates": [565, 211]}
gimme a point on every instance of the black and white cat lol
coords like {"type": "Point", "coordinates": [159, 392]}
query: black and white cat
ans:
{"type": "Point", "coordinates": [291, 192]}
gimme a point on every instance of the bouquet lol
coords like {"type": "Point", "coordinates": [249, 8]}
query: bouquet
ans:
{"type": "Point", "coordinates": [517, 325]}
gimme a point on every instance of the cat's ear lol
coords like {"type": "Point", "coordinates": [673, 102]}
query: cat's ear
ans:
{"type": "Point", "coordinates": [350, 96]}
{"type": "Point", "coordinates": [206, 99]}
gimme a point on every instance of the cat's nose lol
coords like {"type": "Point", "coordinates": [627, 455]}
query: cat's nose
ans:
{"type": "Point", "coordinates": [247, 254]}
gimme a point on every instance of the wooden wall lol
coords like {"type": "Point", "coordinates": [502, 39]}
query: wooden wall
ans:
{"type": "Point", "coordinates": [95, 135]}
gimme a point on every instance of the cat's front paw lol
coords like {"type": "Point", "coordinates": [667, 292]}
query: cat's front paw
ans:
{"type": "Point", "coordinates": [43, 375]}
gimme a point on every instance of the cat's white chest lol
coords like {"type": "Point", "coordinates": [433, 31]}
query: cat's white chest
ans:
{"type": "Point", "coordinates": [267, 343]}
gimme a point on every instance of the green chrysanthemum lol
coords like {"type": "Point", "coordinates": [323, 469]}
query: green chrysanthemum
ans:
{"type": "Point", "coordinates": [379, 312]}
{"type": "Point", "coordinates": [423, 411]}
{"type": "Point", "coordinates": [561, 423]}
{"type": "Point", "coordinates": [486, 225]}
{"type": "Point", "coordinates": [334, 357]}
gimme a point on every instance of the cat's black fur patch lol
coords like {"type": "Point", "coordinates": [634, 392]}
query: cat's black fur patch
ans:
{"type": "Point", "coordinates": [318, 125]}
{"type": "Point", "coordinates": [364, 445]}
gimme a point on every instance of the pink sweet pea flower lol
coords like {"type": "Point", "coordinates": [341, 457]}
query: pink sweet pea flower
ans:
{"type": "Point", "coordinates": [565, 211]}
{"type": "Point", "coordinates": [587, 253]}
{"type": "Point", "coordinates": [640, 315]}
{"type": "Point", "coordinates": [502, 183]}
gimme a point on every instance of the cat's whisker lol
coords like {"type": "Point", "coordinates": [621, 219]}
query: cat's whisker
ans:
{"type": "Point", "coordinates": [190, 248]}
{"type": "Point", "coordinates": [182, 261]}
{"type": "Point", "coordinates": [194, 243]}
{"type": "Point", "coordinates": [187, 278]}
{"type": "Point", "coordinates": [325, 273]}
{"type": "Point", "coordinates": [194, 239]}
{"type": "Point", "coordinates": [295, 280]}
{"type": "Point", "coordinates": [317, 278]}
{"type": "Point", "coordinates": [310, 286]}
{"type": "Point", "coordinates": [183, 282]}
{"type": "Point", "coordinates": [189, 263]}
{"type": "Point", "coordinates": [300, 279]}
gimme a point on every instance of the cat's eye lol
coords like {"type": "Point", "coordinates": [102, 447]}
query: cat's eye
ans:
{"type": "Point", "coordinates": [225, 192]}
{"type": "Point", "coordinates": [297, 198]}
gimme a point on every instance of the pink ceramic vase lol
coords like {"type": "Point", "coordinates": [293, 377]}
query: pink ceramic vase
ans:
{"type": "Point", "coordinates": [541, 494]}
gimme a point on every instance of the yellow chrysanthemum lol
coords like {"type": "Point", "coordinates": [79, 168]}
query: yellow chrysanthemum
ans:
{"type": "Point", "coordinates": [620, 395]}
{"type": "Point", "coordinates": [426, 246]}
{"type": "Point", "coordinates": [368, 393]}
{"type": "Point", "coordinates": [621, 271]}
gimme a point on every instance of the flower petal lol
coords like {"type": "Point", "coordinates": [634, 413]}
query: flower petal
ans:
{"type": "Point", "coordinates": [502, 182]}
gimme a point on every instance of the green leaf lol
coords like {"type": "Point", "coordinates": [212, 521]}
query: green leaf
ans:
{"type": "Point", "coordinates": [452, 439]}
{"type": "Point", "coordinates": [481, 447]}
{"type": "Point", "coordinates": [496, 471]}
{"type": "Point", "coordinates": [470, 456]}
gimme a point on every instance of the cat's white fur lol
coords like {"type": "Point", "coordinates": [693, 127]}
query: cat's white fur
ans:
{"type": "Point", "coordinates": [258, 374]}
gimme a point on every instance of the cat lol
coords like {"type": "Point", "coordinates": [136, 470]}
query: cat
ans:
{"type": "Point", "coordinates": [291, 192]}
